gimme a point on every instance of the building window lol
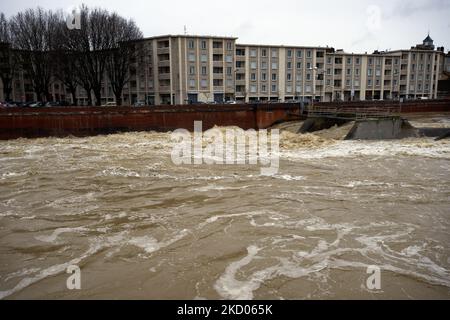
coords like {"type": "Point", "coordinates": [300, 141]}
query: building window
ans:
{"type": "Point", "coordinates": [274, 66]}
{"type": "Point", "coordinates": [378, 72]}
{"type": "Point", "coordinates": [191, 44]}
{"type": "Point", "coordinates": [308, 54]}
{"type": "Point", "coordinates": [204, 71]}
{"type": "Point", "coordinates": [191, 70]}
{"type": "Point", "coordinates": [204, 58]}
{"type": "Point", "coordinates": [289, 65]}
{"type": "Point", "coordinates": [264, 65]}
{"type": "Point", "coordinates": [274, 77]}
{"type": "Point", "coordinates": [349, 60]}
{"type": "Point", "coordinates": [349, 72]}
{"type": "Point", "coordinates": [274, 88]}
{"type": "Point", "coordinates": [192, 83]}
{"type": "Point", "coordinates": [203, 45]}
{"type": "Point", "coordinates": [357, 60]}
{"type": "Point", "coordinates": [369, 82]}
{"type": "Point", "coordinates": [263, 76]}
{"type": "Point", "coordinates": [329, 60]}
{"type": "Point", "coordinates": [191, 57]}
{"type": "Point", "coordinates": [229, 46]}
{"type": "Point", "coordinates": [253, 53]}
{"type": "Point", "coordinates": [253, 65]}
{"type": "Point", "coordinates": [229, 71]}
{"type": "Point", "coordinates": [377, 83]}
{"type": "Point", "coordinates": [204, 83]}
{"type": "Point", "coordinates": [357, 72]}
{"type": "Point", "coordinates": [253, 76]}
{"type": "Point", "coordinates": [298, 89]}
{"type": "Point", "coordinates": [308, 88]}
{"type": "Point", "coordinates": [299, 54]}
{"type": "Point", "coordinates": [253, 89]}
{"type": "Point", "coordinates": [264, 53]}
{"type": "Point", "coordinates": [289, 53]}
{"type": "Point", "coordinates": [289, 77]}
{"type": "Point", "coordinates": [274, 53]}
{"type": "Point", "coordinates": [263, 88]}
{"type": "Point", "coordinates": [229, 58]}
{"type": "Point", "coordinates": [369, 72]}
{"type": "Point", "coordinates": [370, 61]}
{"type": "Point", "coordinates": [299, 65]}
{"type": "Point", "coordinates": [289, 89]}
{"type": "Point", "coordinates": [308, 77]}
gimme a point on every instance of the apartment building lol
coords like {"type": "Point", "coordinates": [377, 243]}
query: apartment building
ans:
{"type": "Point", "coordinates": [183, 69]}
{"type": "Point", "coordinates": [277, 73]}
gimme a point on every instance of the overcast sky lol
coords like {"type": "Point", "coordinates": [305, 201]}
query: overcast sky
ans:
{"type": "Point", "coordinates": [353, 25]}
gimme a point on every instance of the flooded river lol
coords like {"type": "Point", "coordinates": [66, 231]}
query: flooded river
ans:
{"type": "Point", "coordinates": [140, 227]}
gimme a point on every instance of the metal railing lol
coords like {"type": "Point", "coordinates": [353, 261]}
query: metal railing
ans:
{"type": "Point", "coordinates": [353, 113]}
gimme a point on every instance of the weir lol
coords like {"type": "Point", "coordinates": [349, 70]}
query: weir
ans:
{"type": "Point", "coordinates": [371, 123]}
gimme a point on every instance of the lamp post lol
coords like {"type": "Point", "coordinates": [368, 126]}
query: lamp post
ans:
{"type": "Point", "coordinates": [314, 70]}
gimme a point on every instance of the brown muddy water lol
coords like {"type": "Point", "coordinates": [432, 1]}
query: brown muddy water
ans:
{"type": "Point", "coordinates": [140, 227]}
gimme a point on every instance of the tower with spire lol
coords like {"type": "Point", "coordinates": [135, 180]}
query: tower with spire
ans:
{"type": "Point", "coordinates": [427, 44]}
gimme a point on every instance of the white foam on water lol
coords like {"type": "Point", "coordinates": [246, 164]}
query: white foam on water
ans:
{"type": "Point", "coordinates": [410, 147]}
{"type": "Point", "coordinates": [288, 177]}
{"type": "Point", "coordinates": [151, 245]}
{"type": "Point", "coordinates": [231, 288]}
{"type": "Point", "coordinates": [8, 175]}
{"type": "Point", "coordinates": [95, 247]}
{"type": "Point", "coordinates": [53, 237]}
{"type": "Point", "coordinates": [214, 187]}
{"type": "Point", "coordinates": [235, 215]}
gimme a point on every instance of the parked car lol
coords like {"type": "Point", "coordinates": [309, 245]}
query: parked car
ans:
{"type": "Point", "coordinates": [109, 104]}
{"type": "Point", "coordinates": [37, 105]}
{"type": "Point", "coordinates": [52, 104]}
{"type": "Point", "coordinates": [138, 104]}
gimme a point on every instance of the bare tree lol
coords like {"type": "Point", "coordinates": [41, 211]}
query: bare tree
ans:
{"type": "Point", "coordinates": [123, 34]}
{"type": "Point", "coordinates": [34, 37]}
{"type": "Point", "coordinates": [92, 42]}
{"type": "Point", "coordinates": [8, 59]}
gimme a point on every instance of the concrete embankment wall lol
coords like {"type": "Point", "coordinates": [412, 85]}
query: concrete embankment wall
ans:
{"type": "Point", "coordinates": [413, 106]}
{"type": "Point", "coordinates": [382, 129]}
{"type": "Point", "coordinates": [83, 121]}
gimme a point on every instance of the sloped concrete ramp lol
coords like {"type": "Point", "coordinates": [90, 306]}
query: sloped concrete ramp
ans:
{"type": "Point", "coordinates": [382, 129]}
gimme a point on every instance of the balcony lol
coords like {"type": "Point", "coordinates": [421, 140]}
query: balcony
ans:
{"type": "Point", "coordinates": [164, 88]}
{"type": "Point", "coordinates": [164, 63]}
{"type": "Point", "coordinates": [163, 50]}
{"type": "Point", "coordinates": [164, 76]}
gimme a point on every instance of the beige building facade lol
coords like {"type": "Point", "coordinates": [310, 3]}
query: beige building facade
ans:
{"type": "Point", "coordinates": [185, 69]}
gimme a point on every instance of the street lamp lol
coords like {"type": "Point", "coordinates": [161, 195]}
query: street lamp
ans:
{"type": "Point", "coordinates": [315, 71]}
